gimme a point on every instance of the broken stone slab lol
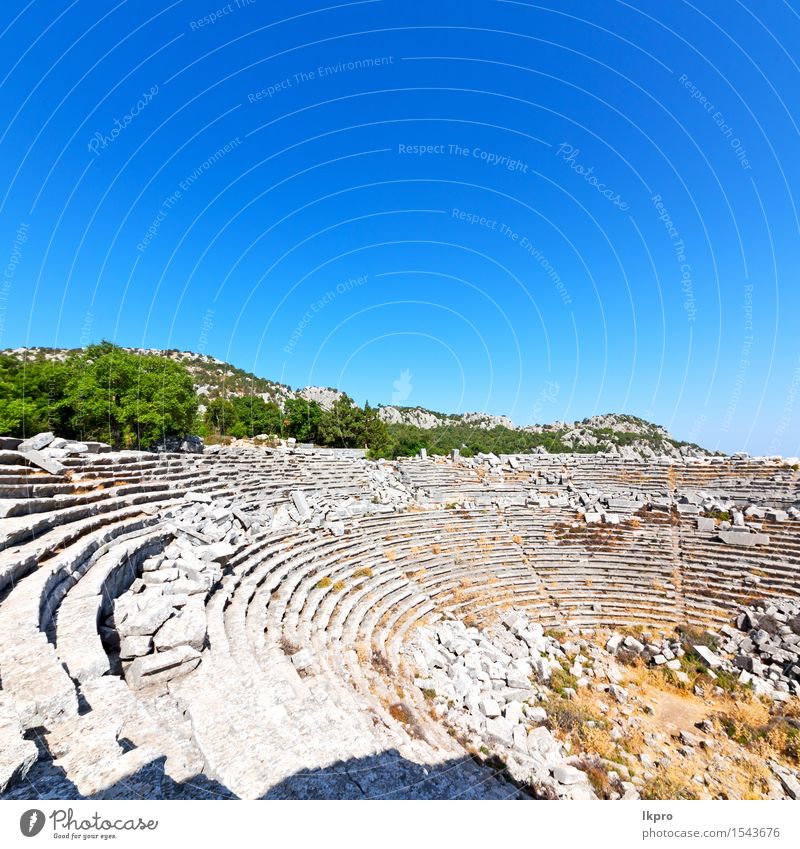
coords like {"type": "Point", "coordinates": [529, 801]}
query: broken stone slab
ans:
{"type": "Point", "coordinates": [46, 464]}
{"type": "Point", "coordinates": [705, 524]}
{"type": "Point", "coordinates": [221, 552]}
{"type": "Point", "coordinates": [36, 443]}
{"type": "Point", "coordinates": [142, 615]}
{"type": "Point", "coordinates": [301, 505]}
{"type": "Point", "coordinates": [500, 729]}
{"type": "Point", "coordinates": [133, 647]}
{"type": "Point", "coordinates": [565, 773]}
{"type": "Point", "coordinates": [712, 660]}
{"type": "Point", "coordinates": [198, 497]}
{"type": "Point", "coordinates": [162, 667]}
{"type": "Point", "coordinates": [186, 628]}
{"type": "Point", "coordinates": [787, 778]}
{"type": "Point", "coordinates": [743, 538]}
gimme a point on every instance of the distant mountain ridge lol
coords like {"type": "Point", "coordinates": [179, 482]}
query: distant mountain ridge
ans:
{"type": "Point", "coordinates": [623, 434]}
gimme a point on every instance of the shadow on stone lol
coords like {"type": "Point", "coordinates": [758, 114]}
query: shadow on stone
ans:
{"type": "Point", "coordinates": [387, 775]}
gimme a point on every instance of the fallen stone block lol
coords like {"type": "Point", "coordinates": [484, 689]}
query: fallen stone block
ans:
{"type": "Point", "coordinates": [162, 667]}
{"type": "Point", "coordinates": [187, 628]}
{"type": "Point", "coordinates": [712, 660]}
{"type": "Point", "coordinates": [743, 538]}
{"type": "Point", "coordinates": [36, 443]}
{"type": "Point", "coordinates": [566, 774]}
{"type": "Point", "coordinates": [133, 647]}
{"type": "Point", "coordinates": [46, 464]}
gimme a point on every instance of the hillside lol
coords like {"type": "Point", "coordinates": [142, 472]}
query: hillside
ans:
{"type": "Point", "coordinates": [414, 428]}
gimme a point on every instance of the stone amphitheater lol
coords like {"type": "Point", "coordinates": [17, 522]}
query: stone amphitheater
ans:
{"type": "Point", "coordinates": [289, 622]}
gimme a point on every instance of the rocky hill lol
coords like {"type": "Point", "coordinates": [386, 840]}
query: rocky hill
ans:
{"type": "Point", "coordinates": [625, 435]}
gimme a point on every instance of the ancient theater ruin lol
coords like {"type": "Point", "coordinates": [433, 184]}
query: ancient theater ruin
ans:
{"type": "Point", "coordinates": [281, 621]}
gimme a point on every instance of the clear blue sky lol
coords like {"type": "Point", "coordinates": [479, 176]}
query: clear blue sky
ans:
{"type": "Point", "coordinates": [542, 210]}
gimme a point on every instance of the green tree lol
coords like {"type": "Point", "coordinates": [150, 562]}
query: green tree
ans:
{"type": "Point", "coordinates": [221, 417]}
{"type": "Point", "coordinates": [301, 419]}
{"type": "Point", "coordinates": [128, 399]}
{"type": "Point", "coordinates": [376, 433]}
{"type": "Point", "coordinates": [343, 425]}
{"type": "Point", "coordinates": [257, 416]}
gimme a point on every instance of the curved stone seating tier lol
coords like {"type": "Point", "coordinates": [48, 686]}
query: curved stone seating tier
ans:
{"type": "Point", "coordinates": [305, 629]}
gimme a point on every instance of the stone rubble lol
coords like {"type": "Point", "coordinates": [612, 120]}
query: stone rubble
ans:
{"type": "Point", "coordinates": [256, 592]}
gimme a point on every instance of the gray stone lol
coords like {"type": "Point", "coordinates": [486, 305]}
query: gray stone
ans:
{"type": "Point", "coordinates": [489, 707]}
{"type": "Point", "coordinates": [564, 773]}
{"type": "Point", "coordinates": [186, 628]}
{"type": "Point", "coordinates": [712, 660]}
{"type": "Point", "coordinates": [162, 667]}
{"type": "Point", "coordinates": [36, 443]}
{"type": "Point", "coordinates": [46, 464]}
{"type": "Point", "coordinates": [132, 647]}
{"type": "Point", "coordinates": [745, 539]}
{"type": "Point", "coordinates": [536, 714]}
{"type": "Point", "coordinates": [301, 504]}
{"type": "Point", "coordinates": [302, 659]}
{"type": "Point", "coordinates": [501, 730]}
{"type": "Point", "coordinates": [147, 619]}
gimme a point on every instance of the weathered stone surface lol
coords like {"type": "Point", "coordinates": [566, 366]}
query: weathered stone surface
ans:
{"type": "Point", "coordinates": [566, 774]}
{"type": "Point", "coordinates": [713, 660]}
{"type": "Point", "coordinates": [185, 628]}
{"type": "Point", "coordinates": [46, 464]}
{"type": "Point", "coordinates": [17, 755]}
{"type": "Point", "coordinates": [744, 539]}
{"type": "Point", "coordinates": [36, 443]}
{"type": "Point", "coordinates": [132, 647]}
{"type": "Point", "coordinates": [162, 667]}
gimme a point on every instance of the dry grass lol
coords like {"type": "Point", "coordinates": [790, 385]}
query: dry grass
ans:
{"type": "Point", "coordinates": [364, 572]}
{"type": "Point", "coordinates": [322, 583]}
{"type": "Point", "coordinates": [436, 548]}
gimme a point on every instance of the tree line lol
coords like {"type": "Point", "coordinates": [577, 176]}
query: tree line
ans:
{"type": "Point", "coordinates": [132, 400]}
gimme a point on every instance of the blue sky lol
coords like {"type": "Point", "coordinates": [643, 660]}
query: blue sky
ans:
{"type": "Point", "coordinates": [542, 210]}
